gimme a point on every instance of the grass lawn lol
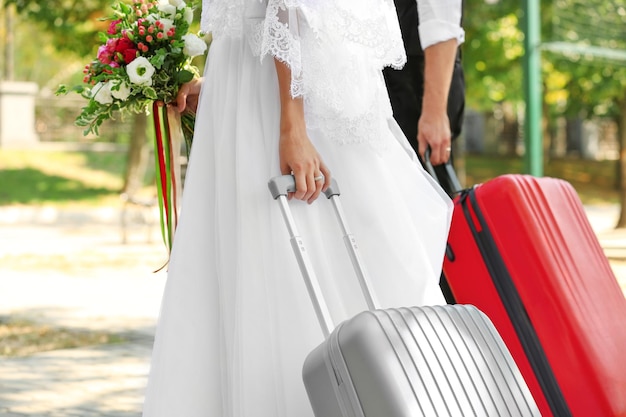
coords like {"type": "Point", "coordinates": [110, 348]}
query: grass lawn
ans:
{"type": "Point", "coordinates": [33, 177]}
{"type": "Point", "coordinates": [595, 181]}
{"type": "Point", "coordinates": [21, 337]}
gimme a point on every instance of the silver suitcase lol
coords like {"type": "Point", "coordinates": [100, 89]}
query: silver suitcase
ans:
{"type": "Point", "coordinates": [404, 362]}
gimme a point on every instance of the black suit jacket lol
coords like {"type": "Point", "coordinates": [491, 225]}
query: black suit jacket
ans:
{"type": "Point", "coordinates": [409, 19]}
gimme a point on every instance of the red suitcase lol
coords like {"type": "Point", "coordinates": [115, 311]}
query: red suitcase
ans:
{"type": "Point", "coordinates": [522, 250]}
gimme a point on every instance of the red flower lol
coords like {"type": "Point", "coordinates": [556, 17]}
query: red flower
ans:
{"type": "Point", "coordinates": [106, 52]}
{"type": "Point", "coordinates": [127, 49]}
{"type": "Point", "coordinates": [129, 55]}
{"type": "Point", "coordinates": [124, 44]}
{"type": "Point", "coordinates": [113, 27]}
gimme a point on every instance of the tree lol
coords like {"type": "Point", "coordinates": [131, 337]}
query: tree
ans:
{"type": "Point", "coordinates": [583, 65]}
{"type": "Point", "coordinates": [492, 57]}
{"type": "Point", "coordinates": [7, 37]}
{"type": "Point", "coordinates": [75, 24]}
{"type": "Point", "coordinates": [588, 54]}
{"type": "Point", "coordinates": [492, 53]}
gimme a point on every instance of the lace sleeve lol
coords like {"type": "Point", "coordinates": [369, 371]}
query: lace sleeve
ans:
{"type": "Point", "coordinates": [335, 50]}
{"type": "Point", "coordinates": [276, 33]}
{"type": "Point", "coordinates": [301, 33]}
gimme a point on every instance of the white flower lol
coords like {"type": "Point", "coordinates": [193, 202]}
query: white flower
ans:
{"type": "Point", "coordinates": [122, 92]}
{"type": "Point", "coordinates": [101, 92]}
{"type": "Point", "coordinates": [176, 3]}
{"type": "Point", "coordinates": [140, 71]}
{"type": "Point", "coordinates": [194, 46]}
{"type": "Point", "coordinates": [179, 4]}
{"type": "Point", "coordinates": [167, 10]}
{"type": "Point", "coordinates": [167, 25]}
{"type": "Point", "coordinates": [188, 15]}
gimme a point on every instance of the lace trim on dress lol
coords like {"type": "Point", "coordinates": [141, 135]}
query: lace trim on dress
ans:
{"type": "Point", "coordinates": [278, 36]}
{"type": "Point", "coordinates": [222, 18]}
{"type": "Point", "coordinates": [335, 50]}
{"type": "Point", "coordinates": [369, 25]}
{"type": "Point", "coordinates": [345, 46]}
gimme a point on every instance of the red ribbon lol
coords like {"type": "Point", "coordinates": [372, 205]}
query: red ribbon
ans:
{"type": "Point", "coordinates": [162, 173]}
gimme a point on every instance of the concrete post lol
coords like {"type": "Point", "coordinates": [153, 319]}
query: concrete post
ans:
{"type": "Point", "coordinates": [17, 114]}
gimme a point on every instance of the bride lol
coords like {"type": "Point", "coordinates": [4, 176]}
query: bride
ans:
{"type": "Point", "coordinates": [291, 86]}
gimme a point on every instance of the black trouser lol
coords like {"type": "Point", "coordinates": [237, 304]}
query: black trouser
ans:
{"type": "Point", "coordinates": [406, 90]}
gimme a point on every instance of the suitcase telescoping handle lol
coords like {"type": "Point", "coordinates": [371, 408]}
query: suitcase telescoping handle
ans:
{"type": "Point", "coordinates": [452, 184]}
{"type": "Point", "coordinates": [279, 187]}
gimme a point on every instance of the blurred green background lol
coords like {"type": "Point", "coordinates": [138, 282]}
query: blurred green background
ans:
{"type": "Point", "coordinates": [74, 178]}
{"type": "Point", "coordinates": [583, 71]}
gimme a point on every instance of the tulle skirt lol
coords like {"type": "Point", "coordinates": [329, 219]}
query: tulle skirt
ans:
{"type": "Point", "coordinates": [236, 321]}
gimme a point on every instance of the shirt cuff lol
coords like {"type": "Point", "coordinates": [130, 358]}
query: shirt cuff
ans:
{"type": "Point", "coordinates": [435, 31]}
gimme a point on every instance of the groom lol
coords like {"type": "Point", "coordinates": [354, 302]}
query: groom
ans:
{"type": "Point", "coordinates": [428, 94]}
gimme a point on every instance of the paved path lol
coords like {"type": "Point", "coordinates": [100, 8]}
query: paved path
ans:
{"type": "Point", "coordinates": [74, 272]}
{"type": "Point", "coordinates": [80, 276]}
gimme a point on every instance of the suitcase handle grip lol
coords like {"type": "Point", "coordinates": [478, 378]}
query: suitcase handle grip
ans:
{"type": "Point", "coordinates": [279, 188]}
{"type": "Point", "coordinates": [453, 181]}
{"type": "Point", "coordinates": [284, 184]}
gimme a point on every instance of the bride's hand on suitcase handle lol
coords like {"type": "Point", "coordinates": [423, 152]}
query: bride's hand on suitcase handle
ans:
{"type": "Point", "coordinates": [299, 157]}
{"type": "Point", "coordinates": [308, 186]}
{"type": "Point", "coordinates": [286, 184]}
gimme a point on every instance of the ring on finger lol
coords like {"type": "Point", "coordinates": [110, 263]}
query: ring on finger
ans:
{"type": "Point", "coordinates": [319, 178]}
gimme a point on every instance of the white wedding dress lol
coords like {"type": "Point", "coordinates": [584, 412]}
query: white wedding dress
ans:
{"type": "Point", "coordinates": [236, 321]}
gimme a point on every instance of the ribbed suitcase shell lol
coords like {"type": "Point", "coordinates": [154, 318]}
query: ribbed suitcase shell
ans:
{"type": "Point", "coordinates": [545, 250]}
{"type": "Point", "coordinates": [419, 361]}
{"type": "Point", "coordinates": [441, 361]}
